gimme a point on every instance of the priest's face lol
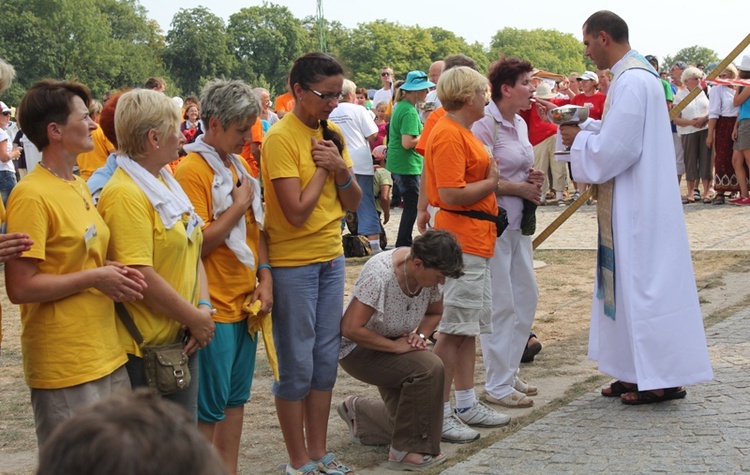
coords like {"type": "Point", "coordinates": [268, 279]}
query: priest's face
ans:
{"type": "Point", "coordinates": [595, 48]}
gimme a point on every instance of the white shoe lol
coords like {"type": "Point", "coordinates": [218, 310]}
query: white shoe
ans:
{"type": "Point", "coordinates": [455, 431]}
{"type": "Point", "coordinates": [482, 416]}
{"type": "Point", "coordinates": [513, 400]}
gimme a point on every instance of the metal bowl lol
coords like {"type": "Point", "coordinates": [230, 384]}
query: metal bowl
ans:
{"type": "Point", "coordinates": [568, 114]}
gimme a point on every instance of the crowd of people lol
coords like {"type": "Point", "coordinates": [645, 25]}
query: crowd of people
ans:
{"type": "Point", "coordinates": [205, 220]}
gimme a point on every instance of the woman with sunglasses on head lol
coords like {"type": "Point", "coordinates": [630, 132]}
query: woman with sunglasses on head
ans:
{"type": "Point", "coordinates": [309, 184]}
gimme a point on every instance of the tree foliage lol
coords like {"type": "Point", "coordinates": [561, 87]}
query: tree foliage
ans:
{"type": "Point", "coordinates": [549, 50]}
{"type": "Point", "coordinates": [109, 44]}
{"type": "Point", "coordinates": [265, 41]}
{"type": "Point", "coordinates": [102, 43]}
{"type": "Point", "coordinates": [692, 55]}
{"type": "Point", "coordinates": [198, 49]}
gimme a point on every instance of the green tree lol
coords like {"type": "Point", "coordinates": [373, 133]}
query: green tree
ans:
{"type": "Point", "coordinates": [265, 41]}
{"type": "Point", "coordinates": [198, 49]}
{"type": "Point", "coordinates": [549, 50]}
{"type": "Point", "coordinates": [692, 55]}
{"type": "Point", "coordinates": [103, 43]}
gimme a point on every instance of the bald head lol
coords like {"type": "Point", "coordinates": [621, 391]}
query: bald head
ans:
{"type": "Point", "coordinates": [436, 69]}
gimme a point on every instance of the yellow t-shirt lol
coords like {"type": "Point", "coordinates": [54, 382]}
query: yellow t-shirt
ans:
{"type": "Point", "coordinates": [139, 238]}
{"type": "Point", "coordinates": [74, 340]}
{"type": "Point", "coordinates": [90, 162]}
{"type": "Point", "coordinates": [229, 280]}
{"type": "Point", "coordinates": [287, 153]}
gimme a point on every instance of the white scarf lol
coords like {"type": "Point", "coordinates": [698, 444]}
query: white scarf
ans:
{"type": "Point", "coordinates": [167, 198]}
{"type": "Point", "coordinates": [221, 194]}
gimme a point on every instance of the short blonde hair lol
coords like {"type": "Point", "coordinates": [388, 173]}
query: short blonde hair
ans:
{"type": "Point", "coordinates": [731, 69]}
{"type": "Point", "coordinates": [458, 84]}
{"type": "Point", "coordinates": [139, 111]}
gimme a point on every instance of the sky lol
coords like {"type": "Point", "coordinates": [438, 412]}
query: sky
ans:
{"type": "Point", "coordinates": [658, 28]}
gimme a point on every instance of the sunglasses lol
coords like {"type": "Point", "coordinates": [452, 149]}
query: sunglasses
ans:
{"type": "Point", "coordinates": [6, 113]}
{"type": "Point", "coordinates": [383, 74]}
{"type": "Point", "coordinates": [326, 97]}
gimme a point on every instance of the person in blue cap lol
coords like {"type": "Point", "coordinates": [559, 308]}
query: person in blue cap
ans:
{"type": "Point", "coordinates": [403, 160]}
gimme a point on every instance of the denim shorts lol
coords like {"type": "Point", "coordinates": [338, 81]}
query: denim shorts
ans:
{"type": "Point", "coordinates": [227, 367]}
{"type": "Point", "coordinates": [308, 303]}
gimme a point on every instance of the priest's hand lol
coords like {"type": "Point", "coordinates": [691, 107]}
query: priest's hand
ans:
{"type": "Point", "coordinates": [568, 134]}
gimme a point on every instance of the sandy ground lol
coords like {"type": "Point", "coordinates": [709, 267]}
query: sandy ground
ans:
{"type": "Point", "coordinates": [721, 258]}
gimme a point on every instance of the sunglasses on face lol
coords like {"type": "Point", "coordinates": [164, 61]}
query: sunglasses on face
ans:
{"type": "Point", "coordinates": [384, 74]}
{"type": "Point", "coordinates": [6, 114]}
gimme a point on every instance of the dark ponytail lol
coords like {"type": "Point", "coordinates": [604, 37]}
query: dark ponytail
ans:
{"type": "Point", "coordinates": [333, 136]}
{"type": "Point", "coordinates": [311, 68]}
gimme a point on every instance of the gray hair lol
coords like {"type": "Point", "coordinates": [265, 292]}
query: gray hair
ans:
{"type": "Point", "coordinates": [231, 102]}
{"type": "Point", "coordinates": [260, 90]}
{"type": "Point", "coordinates": [680, 65]}
{"type": "Point", "coordinates": [348, 88]}
{"type": "Point", "coordinates": [7, 73]}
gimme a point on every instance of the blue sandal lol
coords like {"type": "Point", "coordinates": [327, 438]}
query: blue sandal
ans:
{"type": "Point", "coordinates": [329, 466]}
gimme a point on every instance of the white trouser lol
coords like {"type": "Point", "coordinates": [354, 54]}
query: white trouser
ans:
{"type": "Point", "coordinates": [514, 299]}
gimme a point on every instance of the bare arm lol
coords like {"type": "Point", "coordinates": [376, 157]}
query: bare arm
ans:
{"type": "Point", "coordinates": [472, 192]}
{"type": "Point", "coordinates": [409, 141]}
{"type": "Point", "coordinates": [423, 216]}
{"type": "Point", "coordinates": [162, 298]}
{"type": "Point", "coordinates": [298, 204]}
{"type": "Point", "coordinates": [385, 202]}
{"type": "Point", "coordinates": [25, 284]}
{"type": "Point", "coordinates": [353, 327]}
{"type": "Point", "coordinates": [741, 97]}
{"type": "Point", "coordinates": [4, 155]}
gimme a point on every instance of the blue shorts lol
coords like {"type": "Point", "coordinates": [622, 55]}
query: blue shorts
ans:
{"type": "Point", "coordinates": [227, 366]}
{"type": "Point", "coordinates": [308, 303]}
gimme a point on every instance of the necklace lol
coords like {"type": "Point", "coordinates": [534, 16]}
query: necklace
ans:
{"type": "Point", "coordinates": [406, 282]}
{"type": "Point", "coordinates": [68, 182]}
{"type": "Point", "coordinates": [454, 117]}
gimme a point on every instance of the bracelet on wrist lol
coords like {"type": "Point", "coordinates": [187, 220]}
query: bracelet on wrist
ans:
{"type": "Point", "coordinates": [264, 266]}
{"type": "Point", "coordinates": [347, 184]}
{"type": "Point", "coordinates": [206, 303]}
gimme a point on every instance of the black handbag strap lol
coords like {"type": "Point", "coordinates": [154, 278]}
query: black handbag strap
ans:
{"type": "Point", "coordinates": [127, 320]}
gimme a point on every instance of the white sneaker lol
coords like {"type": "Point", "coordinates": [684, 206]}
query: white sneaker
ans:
{"type": "Point", "coordinates": [455, 431]}
{"type": "Point", "coordinates": [481, 415]}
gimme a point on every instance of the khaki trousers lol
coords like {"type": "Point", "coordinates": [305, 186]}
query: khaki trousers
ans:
{"type": "Point", "coordinates": [409, 415]}
{"type": "Point", "coordinates": [544, 160]}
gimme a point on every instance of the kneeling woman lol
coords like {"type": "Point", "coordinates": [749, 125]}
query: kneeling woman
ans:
{"type": "Point", "coordinates": [396, 301]}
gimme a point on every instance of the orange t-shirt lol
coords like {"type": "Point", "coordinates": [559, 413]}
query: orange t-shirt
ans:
{"type": "Point", "coordinates": [284, 102]}
{"type": "Point", "coordinates": [454, 157]}
{"type": "Point", "coordinates": [429, 124]}
{"type": "Point", "coordinates": [247, 153]}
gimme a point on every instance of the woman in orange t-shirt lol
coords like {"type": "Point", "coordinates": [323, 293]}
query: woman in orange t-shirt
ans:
{"type": "Point", "coordinates": [461, 176]}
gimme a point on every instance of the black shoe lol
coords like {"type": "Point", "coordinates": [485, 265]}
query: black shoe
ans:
{"type": "Point", "coordinates": [530, 352]}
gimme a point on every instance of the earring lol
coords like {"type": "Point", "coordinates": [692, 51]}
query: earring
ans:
{"type": "Point", "coordinates": [157, 147]}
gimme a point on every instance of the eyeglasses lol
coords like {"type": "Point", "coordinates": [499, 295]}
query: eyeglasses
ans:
{"type": "Point", "coordinates": [7, 113]}
{"type": "Point", "coordinates": [326, 97]}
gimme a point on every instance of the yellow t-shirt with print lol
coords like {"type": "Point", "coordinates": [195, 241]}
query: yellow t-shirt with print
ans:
{"type": "Point", "coordinates": [73, 340]}
{"type": "Point", "coordinates": [229, 280]}
{"type": "Point", "coordinates": [287, 153]}
{"type": "Point", "coordinates": [139, 238]}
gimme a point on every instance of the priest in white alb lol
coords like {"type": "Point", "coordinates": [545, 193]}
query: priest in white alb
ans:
{"type": "Point", "coordinates": [646, 324]}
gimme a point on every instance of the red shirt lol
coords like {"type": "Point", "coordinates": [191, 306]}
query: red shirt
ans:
{"type": "Point", "coordinates": [596, 108]}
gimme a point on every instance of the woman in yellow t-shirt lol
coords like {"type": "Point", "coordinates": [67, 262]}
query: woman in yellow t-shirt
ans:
{"type": "Point", "coordinates": [156, 230]}
{"type": "Point", "coordinates": [71, 353]}
{"type": "Point", "coordinates": [309, 184]}
{"type": "Point", "coordinates": [234, 253]}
